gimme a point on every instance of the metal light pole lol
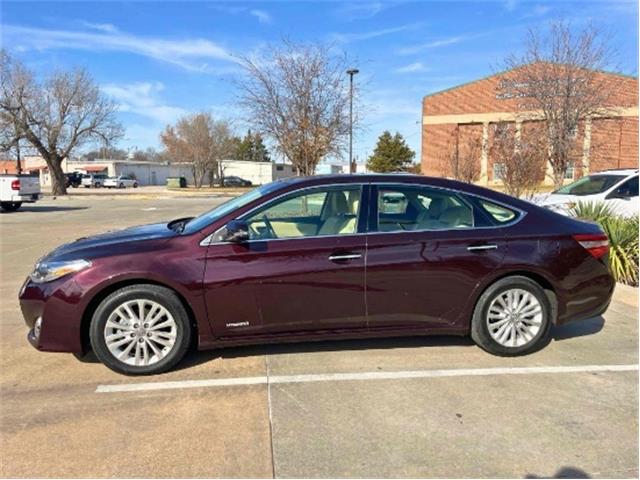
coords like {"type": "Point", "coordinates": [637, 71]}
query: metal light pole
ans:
{"type": "Point", "coordinates": [351, 72]}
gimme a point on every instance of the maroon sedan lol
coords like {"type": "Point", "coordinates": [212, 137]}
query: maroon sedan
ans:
{"type": "Point", "coordinates": [316, 258]}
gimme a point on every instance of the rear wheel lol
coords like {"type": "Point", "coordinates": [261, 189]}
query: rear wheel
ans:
{"type": "Point", "coordinates": [512, 317]}
{"type": "Point", "coordinates": [10, 206]}
{"type": "Point", "coordinates": [121, 185]}
{"type": "Point", "coordinates": [140, 330]}
{"type": "Point", "coordinates": [135, 185]}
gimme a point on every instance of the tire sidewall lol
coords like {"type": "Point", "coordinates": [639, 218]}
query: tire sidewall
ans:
{"type": "Point", "coordinates": [480, 330]}
{"type": "Point", "coordinates": [161, 295]}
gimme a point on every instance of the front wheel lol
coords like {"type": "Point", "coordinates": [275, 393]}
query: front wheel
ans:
{"type": "Point", "coordinates": [135, 185]}
{"type": "Point", "coordinates": [140, 330]}
{"type": "Point", "coordinates": [512, 317]}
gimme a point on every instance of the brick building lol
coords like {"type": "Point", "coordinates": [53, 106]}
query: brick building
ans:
{"type": "Point", "coordinates": [466, 117]}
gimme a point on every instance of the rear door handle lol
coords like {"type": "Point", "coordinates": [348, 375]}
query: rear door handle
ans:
{"type": "Point", "coordinates": [475, 248]}
{"type": "Point", "coordinates": [345, 256]}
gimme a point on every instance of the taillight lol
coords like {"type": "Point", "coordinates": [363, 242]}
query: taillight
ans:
{"type": "Point", "coordinates": [597, 245]}
{"type": "Point", "coordinates": [15, 185]}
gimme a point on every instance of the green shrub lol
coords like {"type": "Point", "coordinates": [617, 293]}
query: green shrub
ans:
{"type": "Point", "coordinates": [623, 239]}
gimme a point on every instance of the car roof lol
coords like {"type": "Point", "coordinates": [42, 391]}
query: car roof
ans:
{"type": "Point", "coordinates": [618, 171]}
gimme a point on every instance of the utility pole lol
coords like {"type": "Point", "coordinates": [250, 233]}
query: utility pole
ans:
{"type": "Point", "coordinates": [351, 72]}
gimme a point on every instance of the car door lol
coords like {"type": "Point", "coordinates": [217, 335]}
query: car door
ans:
{"type": "Point", "coordinates": [624, 198]}
{"type": "Point", "coordinates": [303, 268]}
{"type": "Point", "coordinates": [427, 250]}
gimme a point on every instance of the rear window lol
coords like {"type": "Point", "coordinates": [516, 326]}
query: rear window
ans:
{"type": "Point", "coordinates": [499, 213]}
{"type": "Point", "coordinates": [591, 185]}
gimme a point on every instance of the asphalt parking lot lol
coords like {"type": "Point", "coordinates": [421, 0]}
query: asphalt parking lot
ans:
{"type": "Point", "coordinates": [411, 407]}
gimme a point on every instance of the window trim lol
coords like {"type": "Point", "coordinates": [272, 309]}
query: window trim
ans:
{"type": "Point", "coordinates": [374, 209]}
{"type": "Point", "coordinates": [368, 213]}
{"type": "Point", "coordinates": [360, 226]}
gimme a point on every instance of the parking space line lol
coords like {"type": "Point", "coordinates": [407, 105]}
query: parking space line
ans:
{"type": "Point", "coordinates": [359, 376]}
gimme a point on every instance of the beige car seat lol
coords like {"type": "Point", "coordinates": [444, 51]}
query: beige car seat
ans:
{"type": "Point", "coordinates": [338, 219]}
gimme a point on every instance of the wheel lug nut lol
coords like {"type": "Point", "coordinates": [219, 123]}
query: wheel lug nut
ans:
{"type": "Point", "coordinates": [133, 335]}
{"type": "Point", "coordinates": [140, 340]}
{"type": "Point", "coordinates": [146, 325]}
{"type": "Point", "coordinates": [148, 334]}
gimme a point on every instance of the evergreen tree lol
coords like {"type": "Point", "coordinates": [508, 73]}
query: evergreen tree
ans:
{"type": "Point", "coordinates": [392, 154]}
{"type": "Point", "coordinates": [251, 148]}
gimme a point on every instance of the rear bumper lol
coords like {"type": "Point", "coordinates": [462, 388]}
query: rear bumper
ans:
{"type": "Point", "coordinates": [588, 300]}
{"type": "Point", "coordinates": [33, 197]}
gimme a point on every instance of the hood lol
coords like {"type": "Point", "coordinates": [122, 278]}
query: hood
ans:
{"type": "Point", "coordinates": [102, 241]}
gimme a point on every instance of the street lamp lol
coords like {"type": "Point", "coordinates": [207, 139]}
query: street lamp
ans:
{"type": "Point", "coordinates": [351, 72]}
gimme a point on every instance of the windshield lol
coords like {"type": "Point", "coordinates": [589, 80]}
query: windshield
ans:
{"type": "Point", "coordinates": [220, 211]}
{"type": "Point", "coordinates": [591, 185]}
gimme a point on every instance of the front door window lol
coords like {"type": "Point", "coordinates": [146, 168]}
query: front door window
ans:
{"type": "Point", "coordinates": [311, 213]}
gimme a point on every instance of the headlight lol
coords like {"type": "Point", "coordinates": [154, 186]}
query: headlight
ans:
{"type": "Point", "coordinates": [48, 271]}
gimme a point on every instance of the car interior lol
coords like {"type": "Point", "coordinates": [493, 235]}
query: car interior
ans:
{"type": "Point", "coordinates": [330, 212]}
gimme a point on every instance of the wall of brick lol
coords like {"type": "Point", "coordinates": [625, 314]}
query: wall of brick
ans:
{"type": "Point", "coordinates": [614, 141]}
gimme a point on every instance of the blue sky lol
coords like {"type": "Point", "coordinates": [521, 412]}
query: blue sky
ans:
{"type": "Point", "coordinates": [160, 60]}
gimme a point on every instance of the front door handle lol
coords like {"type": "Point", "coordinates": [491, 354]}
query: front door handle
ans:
{"type": "Point", "coordinates": [345, 256]}
{"type": "Point", "coordinates": [475, 248]}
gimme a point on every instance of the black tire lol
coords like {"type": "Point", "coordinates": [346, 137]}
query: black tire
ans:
{"type": "Point", "coordinates": [480, 330]}
{"type": "Point", "coordinates": [10, 206]}
{"type": "Point", "coordinates": [135, 185]}
{"type": "Point", "coordinates": [161, 295]}
{"type": "Point", "coordinates": [121, 185]}
{"type": "Point", "coordinates": [97, 185]}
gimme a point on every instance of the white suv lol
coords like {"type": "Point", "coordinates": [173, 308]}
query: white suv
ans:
{"type": "Point", "coordinates": [617, 188]}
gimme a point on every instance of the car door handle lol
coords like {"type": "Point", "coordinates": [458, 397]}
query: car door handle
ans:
{"type": "Point", "coordinates": [345, 256]}
{"type": "Point", "coordinates": [475, 248]}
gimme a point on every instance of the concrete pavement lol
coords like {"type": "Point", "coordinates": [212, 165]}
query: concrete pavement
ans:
{"type": "Point", "coordinates": [53, 423]}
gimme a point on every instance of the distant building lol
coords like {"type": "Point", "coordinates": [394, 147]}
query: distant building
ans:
{"type": "Point", "coordinates": [258, 173]}
{"type": "Point", "coordinates": [452, 117]}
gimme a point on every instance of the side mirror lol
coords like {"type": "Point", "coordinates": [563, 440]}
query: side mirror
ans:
{"type": "Point", "coordinates": [237, 231]}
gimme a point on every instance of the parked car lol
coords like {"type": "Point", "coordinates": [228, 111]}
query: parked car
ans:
{"type": "Point", "coordinates": [616, 188]}
{"type": "Point", "coordinates": [73, 179]}
{"type": "Point", "coordinates": [121, 181]}
{"type": "Point", "coordinates": [233, 181]}
{"type": "Point", "coordinates": [93, 180]}
{"type": "Point", "coordinates": [18, 189]}
{"type": "Point", "coordinates": [322, 258]}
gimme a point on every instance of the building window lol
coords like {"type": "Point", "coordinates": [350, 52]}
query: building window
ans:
{"type": "Point", "coordinates": [279, 168]}
{"type": "Point", "coordinates": [568, 175]}
{"type": "Point", "coordinates": [498, 171]}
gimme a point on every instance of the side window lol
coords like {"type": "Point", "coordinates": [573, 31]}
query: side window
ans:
{"type": "Point", "coordinates": [499, 213]}
{"type": "Point", "coordinates": [321, 211]}
{"type": "Point", "coordinates": [407, 208]}
{"type": "Point", "coordinates": [628, 188]}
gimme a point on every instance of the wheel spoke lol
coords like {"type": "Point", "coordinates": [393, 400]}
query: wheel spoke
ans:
{"type": "Point", "coordinates": [140, 332]}
{"type": "Point", "coordinates": [514, 317]}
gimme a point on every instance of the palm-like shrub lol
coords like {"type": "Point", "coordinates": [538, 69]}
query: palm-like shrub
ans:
{"type": "Point", "coordinates": [623, 238]}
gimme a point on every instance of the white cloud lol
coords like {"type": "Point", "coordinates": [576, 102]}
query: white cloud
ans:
{"type": "Point", "coordinates": [410, 50]}
{"type": "Point", "coordinates": [354, 37]}
{"type": "Point", "coordinates": [412, 68]}
{"type": "Point", "coordinates": [141, 98]}
{"type": "Point", "coordinates": [191, 54]}
{"type": "Point", "coordinates": [103, 27]}
{"type": "Point", "coordinates": [359, 10]}
{"type": "Point", "coordinates": [261, 15]}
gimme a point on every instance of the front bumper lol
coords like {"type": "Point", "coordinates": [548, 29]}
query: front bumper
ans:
{"type": "Point", "coordinates": [58, 306]}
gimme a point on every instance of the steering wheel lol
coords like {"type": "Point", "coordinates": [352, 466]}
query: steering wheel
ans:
{"type": "Point", "coordinates": [270, 230]}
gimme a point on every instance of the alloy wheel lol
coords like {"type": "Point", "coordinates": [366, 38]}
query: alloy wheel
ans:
{"type": "Point", "coordinates": [140, 332]}
{"type": "Point", "coordinates": [514, 317]}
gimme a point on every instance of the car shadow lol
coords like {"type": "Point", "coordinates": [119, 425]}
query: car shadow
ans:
{"type": "Point", "coordinates": [44, 209]}
{"type": "Point", "coordinates": [197, 357]}
{"type": "Point", "coordinates": [564, 472]}
{"type": "Point", "coordinates": [579, 328]}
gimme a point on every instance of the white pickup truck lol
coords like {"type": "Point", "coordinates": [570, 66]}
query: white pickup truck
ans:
{"type": "Point", "coordinates": [17, 189]}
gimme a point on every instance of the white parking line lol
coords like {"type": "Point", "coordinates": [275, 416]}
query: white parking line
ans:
{"type": "Point", "coordinates": [341, 377]}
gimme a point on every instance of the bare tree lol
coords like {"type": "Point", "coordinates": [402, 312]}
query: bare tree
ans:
{"type": "Point", "coordinates": [299, 98]}
{"type": "Point", "coordinates": [560, 76]}
{"type": "Point", "coordinates": [65, 111]}
{"type": "Point", "coordinates": [462, 161]}
{"type": "Point", "coordinates": [201, 141]}
{"type": "Point", "coordinates": [521, 154]}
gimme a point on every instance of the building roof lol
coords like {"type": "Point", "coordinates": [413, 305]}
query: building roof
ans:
{"type": "Point", "coordinates": [503, 72]}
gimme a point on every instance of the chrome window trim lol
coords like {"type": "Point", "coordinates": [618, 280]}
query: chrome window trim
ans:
{"type": "Point", "coordinates": [207, 241]}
